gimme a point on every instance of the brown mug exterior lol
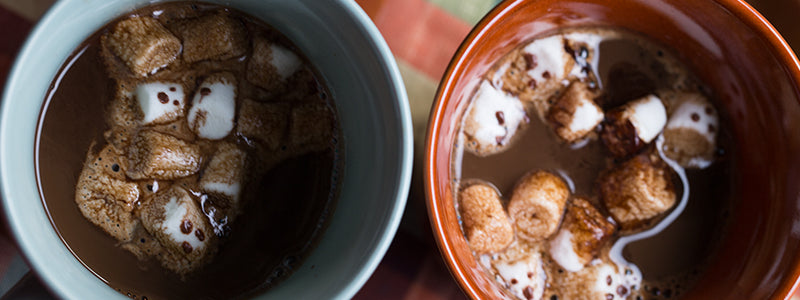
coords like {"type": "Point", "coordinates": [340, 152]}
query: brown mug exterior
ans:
{"type": "Point", "coordinates": [756, 81]}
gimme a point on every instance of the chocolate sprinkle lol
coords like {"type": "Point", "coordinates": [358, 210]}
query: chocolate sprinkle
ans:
{"type": "Point", "coordinates": [528, 292]}
{"type": "Point", "coordinates": [163, 98]}
{"type": "Point", "coordinates": [500, 117]}
{"type": "Point", "coordinates": [186, 247]}
{"type": "Point", "coordinates": [530, 61]}
{"type": "Point", "coordinates": [186, 226]}
{"type": "Point", "coordinates": [532, 84]}
{"type": "Point", "coordinates": [200, 235]}
{"type": "Point", "coordinates": [621, 291]}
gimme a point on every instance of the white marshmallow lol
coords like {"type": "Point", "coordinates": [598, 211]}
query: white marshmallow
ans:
{"type": "Point", "coordinates": [682, 117]}
{"type": "Point", "coordinates": [587, 116]}
{"type": "Point", "coordinates": [592, 42]}
{"type": "Point", "coordinates": [284, 60]}
{"type": "Point", "coordinates": [526, 272]}
{"type": "Point", "coordinates": [178, 223]}
{"type": "Point", "coordinates": [550, 57]}
{"type": "Point", "coordinates": [574, 114]}
{"type": "Point", "coordinates": [696, 114]}
{"type": "Point", "coordinates": [161, 102]}
{"type": "Point", "coordinates": [497, 77]}
{"type": "Point", "coordinates": [213, 108]}
{"type": "Point", "coordinates": [601, 284]}
{"type": "Point", "coordinates": [483, 123]}
{"type": "Point", "coordinates": [225, 172]}
{"type": "Point", "coordinates": [228, 189]}
{"type": "Point", "coordinates": [563, 252]}
{"type": "Point", "coordinates": [648, 116]}
{"type": "Point", "coordinates": [175, 212]}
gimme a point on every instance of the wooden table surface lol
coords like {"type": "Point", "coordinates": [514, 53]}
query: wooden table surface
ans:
{"type": "Point", "coordinates": [412, 267]}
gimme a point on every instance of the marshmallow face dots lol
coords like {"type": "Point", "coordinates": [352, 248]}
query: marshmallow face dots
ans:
{"type": "Point", "coordinates": [212, 120]}
{"type": "Point", "coordinates": [213, 106]}
{"type": "Point", "coordinates": [160, 102]}
{"type": "Point", "coordinates": [578, 144]}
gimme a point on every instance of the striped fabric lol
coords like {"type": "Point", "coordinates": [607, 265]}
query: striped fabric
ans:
{"type": "Point", "coordinates": [423, 35]}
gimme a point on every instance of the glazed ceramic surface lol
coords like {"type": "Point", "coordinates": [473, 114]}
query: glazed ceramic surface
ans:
{"type": "Point", "coordinates": [351, 55]}
{"type": "Point", "coordinates": [756, 80]}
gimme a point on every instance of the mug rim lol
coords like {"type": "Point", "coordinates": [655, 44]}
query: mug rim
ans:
{"type": "Point", "coordinates": [741, 10]}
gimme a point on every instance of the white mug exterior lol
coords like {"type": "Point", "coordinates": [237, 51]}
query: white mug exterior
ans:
{"type": "Point", "coordinates": [338, 38]}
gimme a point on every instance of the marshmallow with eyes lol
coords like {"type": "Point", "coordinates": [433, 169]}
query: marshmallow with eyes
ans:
{"type": "Point", "coordinates": [598, 280]}
{"type": "Point", "coordinates": [493, 120]}
{"type": "Point", "coordinates": [523, 274]}
{"type": "Point", "coordinates": [541, 71]}
{"type": "Point", "coordinates": [214, 106]}
{"type": "Point", "coordinates": [691, 132]}
{"type": "Point", "coordinates": [549, 62]}
{"type": "Point", "coordinates": [176, 220]}
{"type": "Point", "coordinates": [611, 280]}
{"type": "Point", "coordinates": [161, 102]}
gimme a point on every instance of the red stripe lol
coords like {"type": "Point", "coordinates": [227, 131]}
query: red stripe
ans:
{"type": "Point", "coordinates": [419, 33]}
{"type": "Point", "coordinates": [13, 30]}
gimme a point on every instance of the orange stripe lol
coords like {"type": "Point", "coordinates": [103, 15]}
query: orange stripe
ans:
{"type": "Point", "coordinates": [371, 7]}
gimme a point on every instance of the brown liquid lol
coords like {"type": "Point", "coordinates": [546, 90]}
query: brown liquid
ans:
{"type": "Point", "coordinates": [284, 215]}
{"type": "Point", "coordinates": [670, 260]}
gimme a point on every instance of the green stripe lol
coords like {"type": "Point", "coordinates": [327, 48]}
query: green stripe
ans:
{"type": "Point", "coordinates": [470, 11]}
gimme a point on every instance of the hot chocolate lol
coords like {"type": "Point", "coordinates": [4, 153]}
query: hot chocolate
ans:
{"type": "Point", "coordinates": [188, 150]}
{"type": "Point", "coordinates": [592, 164]}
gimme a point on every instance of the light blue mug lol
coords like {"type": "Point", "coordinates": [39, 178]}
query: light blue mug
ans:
{"type": "Point", "coordinates": [347, 49]}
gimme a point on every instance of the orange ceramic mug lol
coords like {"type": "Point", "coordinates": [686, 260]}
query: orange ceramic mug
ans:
{"type": "Point", "coordinates": [730, 46]}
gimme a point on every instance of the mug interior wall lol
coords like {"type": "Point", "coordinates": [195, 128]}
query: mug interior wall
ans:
{"type": "Point", "coordinates": [753, 85]}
